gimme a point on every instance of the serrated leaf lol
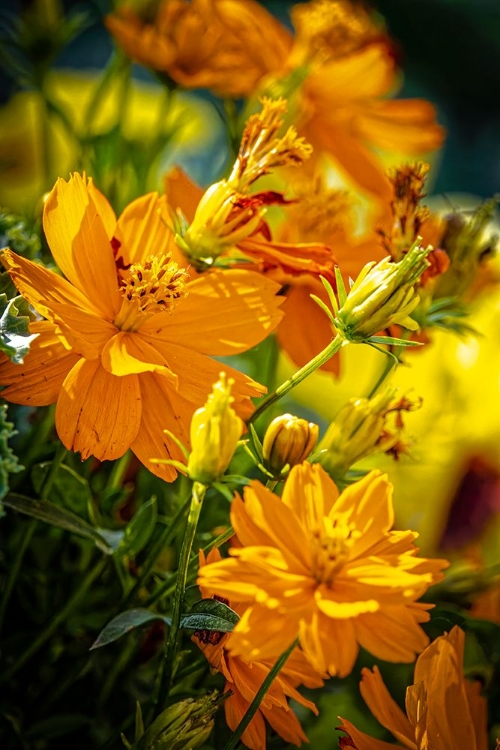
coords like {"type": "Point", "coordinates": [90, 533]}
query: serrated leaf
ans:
{"type": "Point", "coordinates": [124, 623]}
{"type": "Point", "coordinates": [138, 531]}
{"type": "Point", "coordinates": [46, 511]}
{"type": "Point", "coordinates": [15, 338]}
{"type": "Point", "coordinates": [210, 614]}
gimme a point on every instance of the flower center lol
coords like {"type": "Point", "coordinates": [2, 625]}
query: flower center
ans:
{"type": "Point", "coordinates": [321, 212]}
{"type": "Point", "coordinates": [149, 288]}
{"type": "Point", "coordinates": [331, 548]}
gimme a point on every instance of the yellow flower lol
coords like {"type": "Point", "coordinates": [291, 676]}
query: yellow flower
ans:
{"type": "Point", "coordinates": [215, 431]}
{"type": "Point", "coordinates": [325, 567]}
{"type": "Point", "coordinates": [123, 349]}
{"type": "Point", "coordinates": [223, 45]}
{"type": "Point", "coordinates": [244, 678]}
{"type": "Point", "coordinates": [443, 709]}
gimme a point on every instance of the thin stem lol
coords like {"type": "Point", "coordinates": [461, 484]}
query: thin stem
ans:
{"type": "Point", "coordinates": [117, 61]}
{"type": "Point", "coordinates": [304, 372]}
{"type": "Point", "coordinates": [198, 494]}
{"type": "Point", "coordinates": [389, 366]}
{"type": "Point", "coordinates": [254, 705]}
{"type": "Point", "coordinates": [118, 471]}
{"type": "Point", "coordinates": [61, 616]}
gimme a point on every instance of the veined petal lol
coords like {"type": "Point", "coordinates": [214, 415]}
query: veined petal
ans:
{"type": "Point", "coordinates": [391, 634]}
{"type": "Point", "coordinates": [329, 645]}
{"type": "Point", "coordinates": [254, 736]}
{"type": "Point", "coordinates": [143, 229]}
{"type": "Point", "coordinates": [163, 409]}
{"type": "Point", "coordinates": [286, 724]}
{"type": "Point", "coordinates": [309, 492]}
{"type": "Point", "coordinates": [384, 707]}
{"type": "Point", "coordinates": [98, 414]}
{"type": "Point", "coordinates": [260, 634]}
{"type": "Point", "coordinates": [43, 289]}
{"type": "Point", "coordinates": [38, 381]}
{"type": "Point", "coordinates": [79, 241]}
{"type": "Point", "coordinates": [86, 333]}
{"type": "Point", "coordinates": [365, 75]}
{"type": "Point", "coordinates": [363, 741]}
{"type": "Point", "coordinates": [127, 353]}
{"type": "Point", "coordinates": [225, 312]}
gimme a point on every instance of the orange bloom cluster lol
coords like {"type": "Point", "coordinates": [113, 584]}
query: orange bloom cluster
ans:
{"type": "Point", "coordinates": [443, 709]}
{"type": "Point", "coordinates": [123, 350]}
{"type": "Point", "coordinates": [326, 568]}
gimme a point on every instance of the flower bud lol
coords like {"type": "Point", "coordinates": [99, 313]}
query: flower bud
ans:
{"type": "Point", "coordinates": [383, 294]}
{"type": "Point", "coordinates": [215, 431]}
{"type": "Point", "coordinates": [288, 441]}
{"type": "Point", "coordinates": [186, 724]}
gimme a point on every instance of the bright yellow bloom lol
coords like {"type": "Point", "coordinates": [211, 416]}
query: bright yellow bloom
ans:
{"type": "Point", "coordinates": [325, 567]}
{"type": "Point", "coordinates": [223, 45]}
{"type": "Point", "coordinates": [215, 431]}
{"type": "Point", "coordinates": [123, 349]}
{"type": "Point", "coordinates": [244, 679]}
{"type": "Point", "coordinates": [443, 709]}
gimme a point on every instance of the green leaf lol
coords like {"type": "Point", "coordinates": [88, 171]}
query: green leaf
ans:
{"type": "Point", "coordinates": [210, 614]}
{"type": "Point", "coordinates": [341, 290]}
{"type": "Point", "coordinates": [8, 459]}
{"type": "Point", "coordinates": [124, 623]}
{"type": "Point", "coordinates": [15, 338]}
{"type": "Point", "coordinates": [391, 340]}
{"type": "Point", "coordinates": [69, 489]}
{"type": "Point", "coordinates": [46, 511]}
{"type": "Point", "coordinates": [138, 531]}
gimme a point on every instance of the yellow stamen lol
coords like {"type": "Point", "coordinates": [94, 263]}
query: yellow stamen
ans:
{"type": "Point", "coordinates": [148, 288]}
{"type": "Point", "coordinates": [331, 548]}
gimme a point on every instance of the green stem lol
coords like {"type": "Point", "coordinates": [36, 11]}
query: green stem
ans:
{"type": "Point", "coordinates": [117, 61]}
{"type": "Point", "coordinates": [389, 366]}
{"type": "Point", "coordinates": [254, 705]}
{"type": "Point", "coordinates": [61, 616]}
{"type": "Point", "coordinates": [304, 372]}
{"type": "Point", "coordinates": [118, 471]}
{"type": "Point", "coordinates": [198, 494]}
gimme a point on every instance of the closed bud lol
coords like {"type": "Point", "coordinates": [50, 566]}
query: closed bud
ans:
{"type": "Point", "coordinates": [383, 294]}
{"type": "Point", "coordinates": [186, 724]}
{"type": "Point", "coordinates": [215, 431]}
{"type": "Point", "coordinates": [288, 441]}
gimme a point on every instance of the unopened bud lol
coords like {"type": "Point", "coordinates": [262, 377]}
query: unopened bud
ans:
{"type": "Point", "coordinates": [186, 724]}
{"type": "Point", "coordinates": [288, 441]}
{"type": "Point", "coordinates": [383, 294]}
{"type": "Point", "coordinates": [215, 431]}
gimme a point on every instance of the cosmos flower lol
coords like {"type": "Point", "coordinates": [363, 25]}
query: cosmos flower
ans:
{"type": "Point", "coordinates": [123, 351]}
{"type": "Point", "coordinates": [325, 567]}
{"type": "Point", "coordinates": [243, 680]}
{"type": "Point", "coordinates": [443, 709]}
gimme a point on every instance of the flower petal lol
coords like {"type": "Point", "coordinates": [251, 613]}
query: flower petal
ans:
{"type": "Point", "coordinates": [329, 645]}
{"type": "Point", "coordinates": [384, 707]}
{"type": "Point", "coordinates": [80, 244]}
{"type": "Point", "coordinates": [225, 312]}
{"type": "Point", "coordinates": [38, 381]}
{"type": "Point", "coordinates": [143, 229]}
{"type": "Point", "coordinates": [363, 741]}
{"type": "Point", "coordinates": [98, 414]}
{"type": "Point", "coordinates": [392, 633]}
{"type": "Point", "coordinates": [127, 353]}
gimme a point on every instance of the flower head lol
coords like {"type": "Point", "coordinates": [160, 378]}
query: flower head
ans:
{"type": "Point", "coordinates": [215, 431]}
{"type": "Point", "coordinates": [443, 709]}
{"type": "Point", "coordinates": [123, 349]}
{"type": "Point", "coordinates": [244, 678]}
{"type": "Point", "coordinates": [326, 567]}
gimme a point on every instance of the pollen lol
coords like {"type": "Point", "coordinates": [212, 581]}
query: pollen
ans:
{"type": "Point", "coordinates": [148, 288]}
{"type": "Point", "coordinates": [408, 182]}
{"type": "Point", "coordinates": [331, 548]}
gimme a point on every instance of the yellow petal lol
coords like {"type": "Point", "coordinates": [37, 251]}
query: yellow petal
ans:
{"type": "Point", "coordinates": [393, 633]}
{"type": "Point", "coordinates": [80, 244]}
{"type": "Point", "coordinates": [143, 229]}
{"type": "Point", "coordinates": [98, 414]}
{"type": "Point", "coordinates": [39, 380]}
{"type": "Point", "coordinates": [329, 645]}
{"type": "Point", "coordinates": [127, 353]}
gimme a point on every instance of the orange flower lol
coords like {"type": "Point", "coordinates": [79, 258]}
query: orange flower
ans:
{"type": "Point", "coordinates": [326, 567]}
{"type": "Point", "coordinates": [443, 710]}
{"type": "Point", "coordinates": [123, 349]}
{"type": "Point", "coordinates": [223, 45]}
{"type": "Point", "coordinates": [243, 680]}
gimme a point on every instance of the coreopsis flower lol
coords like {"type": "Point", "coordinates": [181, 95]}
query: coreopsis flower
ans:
{"type": "Point", "coordinates": [223, 45]}
{"type": "Point", "coordinates": [287, 442]}
{"type": "Point", "coordinates": [215, 431]}
{"type": "Point", "coordinates": [326, 568]}
{"type": "Point", "coordinates": [123, 352]}
{"type": "Point", "coordinates": [338, 75]}
{"type": "Point", "coordinates": [244, 678]}
{"type": "Point", "coordinates": [443, 709]}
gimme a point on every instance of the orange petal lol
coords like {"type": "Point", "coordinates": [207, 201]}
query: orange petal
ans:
{"type": "Point", "coordinates": [392, 634]}
{"type": "Point", "coordinates": [182, 192]}
{"type": "Point", "coordinates": [128, 353]}
{"type": "Point", "coordinates": [235, 707]}
{"type": "Point", "coordinates": [80, 244]}
{"type": "Point", "coordinates": [305, 329]}
{"type": "Point", "coordinates": [163, 409]}
{"type": "Point", "coordinates": [340, 85]}
{"type": "Point", "coordinates": [363, 741]}
{"type": "Point", "coordinates": [39, 380]}
{"type": "Point", "coordinates": [310, 492]}
{"type": "Point", "coordinates": [87, 334]}
{"type": "Point", "coordinates": [285, 724]}
{"type": "Point", "coordinates": [384, 708]}
{"type": "Point", "coordinates": [98, 414]}
{"type": "Point", "coordinates": [225, 312]}
{"type": "Point", "coordinates": [143, 229]}
{"type": "Point", "coordinates": [407, 126]}
{"type": "Point", "coordinates": [329, 645]}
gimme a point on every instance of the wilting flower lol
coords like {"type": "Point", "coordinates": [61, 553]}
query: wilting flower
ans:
{"type": "Point", "coordinates": [123, 349]}
{"type": "Point", "coordinates": [215, 431]}
{"type": "Point", "coordinates": [325, 567]}
{"type": "Point", "coordinates": [244, 678]}
{"type": "Point", "coordinates": [224, 45]}
{"type": "Point", "coordinates": [443, 709]}
{"type": "Point", "coordinates": [287, 442]}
